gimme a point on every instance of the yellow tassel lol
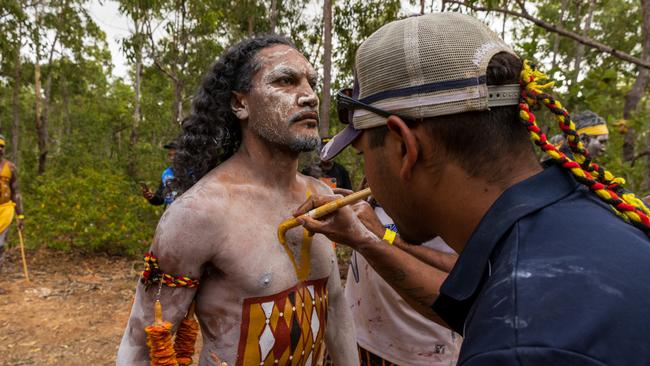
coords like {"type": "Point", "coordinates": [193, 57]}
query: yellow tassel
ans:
{"type": "Point", "coordinates": [186, 338]}
{"type": "Point", "coordinates": [159, 340]}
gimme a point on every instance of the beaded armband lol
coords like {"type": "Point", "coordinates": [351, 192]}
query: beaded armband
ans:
{"type": "Point", "coordinates": [152, 274]}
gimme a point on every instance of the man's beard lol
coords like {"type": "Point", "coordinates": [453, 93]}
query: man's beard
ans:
{"type": "Point", "coordinates": [304, 143]}
{"type": "Point", "coordinates": [293, 143]}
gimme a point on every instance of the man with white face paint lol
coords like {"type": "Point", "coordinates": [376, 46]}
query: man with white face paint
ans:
{"type": "Point", "coordinates": [593, 132]}
{"type": "Point", "coordinates": [258, 303]}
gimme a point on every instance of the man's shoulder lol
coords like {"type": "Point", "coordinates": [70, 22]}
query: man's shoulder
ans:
{"type": "Point", "coordinates": [316, 186]}
{"type": "Point", "coordinates": [558, 270]}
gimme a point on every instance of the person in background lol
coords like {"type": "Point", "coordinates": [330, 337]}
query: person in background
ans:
{"type": "Point", "coordinates": [592, 130]}
{"type": "Point", "coordinates": [166, 193]}
{"type": "Point", "coordinates": [10, 198]}
{"type": "Point", "coordinates": [332, 173]}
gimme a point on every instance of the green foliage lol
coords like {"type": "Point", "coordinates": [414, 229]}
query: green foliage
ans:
{"type": "Point", "coordinates": [93, 209]}
{"type": "Point", "coordinates": [86, 200]}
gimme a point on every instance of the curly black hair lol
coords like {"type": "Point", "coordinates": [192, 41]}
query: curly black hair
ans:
{"type": "Point", "coordinates": [212, 133]}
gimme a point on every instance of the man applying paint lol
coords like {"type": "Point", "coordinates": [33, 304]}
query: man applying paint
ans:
{"type": "Point", "coordinates": [237, 161]}
{"type": "Point", "coordinates": [548, 273]}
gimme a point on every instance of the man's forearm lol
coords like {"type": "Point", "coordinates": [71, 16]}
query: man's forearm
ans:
{"type": "Point", "coordinates": [417, 282]}
{"type": "Point", "coordinates": [440, 260]}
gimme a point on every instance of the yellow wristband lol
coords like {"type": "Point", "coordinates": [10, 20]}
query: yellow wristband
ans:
{"type": "Point", "coordinates": [389, 236]}
{"type": "Point", "coordinates": [21, 216]}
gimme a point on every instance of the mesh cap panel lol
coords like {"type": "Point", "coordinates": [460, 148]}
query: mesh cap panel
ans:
{"type": "Point", "coordinates": [425, 66]}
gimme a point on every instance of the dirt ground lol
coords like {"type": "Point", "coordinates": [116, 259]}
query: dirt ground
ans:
{"type": "Point", "coordinates": [72, 312]}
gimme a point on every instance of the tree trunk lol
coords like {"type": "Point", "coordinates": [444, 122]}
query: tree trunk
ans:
{"type": "Point", "coordinates": [177, 105]}
{"type": "Point", "coordinates": [15, 104]}
{"type": "Point", "coordinates": [327, 68]}
{"type": "Point", "coordinates": [42, 129]}
{"type": "Point", "coordinates": [274, 15]}
{"type": "Point", "coordinates": [133, 140]}
{"type": "Point", "coordinates": [38, 102]}
{"type": "Point", "coordinates": [580, 49]}
{"type": "Point", "coordinates": [67, 123]}
{"type": "Point", "coordinates": [556, 37]}
{"type": "Point", "coordinates": [503, 26]}
{"type": "Point", "coordinates": [422, 7]}
{"type": "Point", "coordinates": [633, 97]}
{"type": "Point", "coordinates": [251, 26]}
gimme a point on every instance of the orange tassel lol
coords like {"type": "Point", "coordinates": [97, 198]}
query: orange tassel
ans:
{"type": "Point", "coordinates": [186, 338]}
{"type": "Point", "coordinates": [159, 340]}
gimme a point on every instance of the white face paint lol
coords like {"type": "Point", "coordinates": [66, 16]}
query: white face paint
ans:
{"type": "Point", "coordinates": [597, 144]}
{"type": "Point", "coordinates": [282, 104]}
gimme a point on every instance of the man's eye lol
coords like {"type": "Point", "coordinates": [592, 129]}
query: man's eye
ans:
{"type": "Point", "coordinates": [285, 81]}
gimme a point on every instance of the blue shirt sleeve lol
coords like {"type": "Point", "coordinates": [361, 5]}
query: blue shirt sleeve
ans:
{"type": "Point", "coordinates": [530, 356]}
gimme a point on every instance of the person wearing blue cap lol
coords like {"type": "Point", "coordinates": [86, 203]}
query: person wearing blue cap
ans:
{"type": "Point", "coordinates": [167, 190]}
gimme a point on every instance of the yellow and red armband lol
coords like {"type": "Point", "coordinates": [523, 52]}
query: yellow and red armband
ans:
{"type": "Point", "coordinates": [153, 274]}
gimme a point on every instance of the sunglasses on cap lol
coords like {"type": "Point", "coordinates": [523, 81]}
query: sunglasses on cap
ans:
{"type": "Point", "coordinates": [345, 106]}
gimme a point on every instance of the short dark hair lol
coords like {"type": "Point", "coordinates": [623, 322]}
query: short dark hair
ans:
{"type": "Point", "coordinates": [212, 133]}
{"type": "Point", "coordinates": [476, 140]}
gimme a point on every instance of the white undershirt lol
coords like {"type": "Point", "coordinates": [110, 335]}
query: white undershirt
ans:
{"type": "Point", "coordinates": [387, 326]}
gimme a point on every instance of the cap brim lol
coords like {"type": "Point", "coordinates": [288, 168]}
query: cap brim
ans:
{"type": "Point", "coordinates": [339, 142]}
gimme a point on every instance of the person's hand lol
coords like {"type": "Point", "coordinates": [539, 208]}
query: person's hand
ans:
{"type": "Point", "coordinates": [20, 222]}
{"type": "Point", "coordinates": [342, 226]}
{"type": "Point", "coordinates": [365, 213]}
{"type": "Point", "coordinates": [146, 192]}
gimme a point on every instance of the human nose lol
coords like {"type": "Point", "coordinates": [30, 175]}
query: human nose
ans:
{"type": "Point", "coordinates": [308, 96]}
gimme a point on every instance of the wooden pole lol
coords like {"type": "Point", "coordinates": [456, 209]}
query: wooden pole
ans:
{"type": "Point", "coordinates": [22, 253]}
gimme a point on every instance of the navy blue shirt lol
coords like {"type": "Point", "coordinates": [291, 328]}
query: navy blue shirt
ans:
{"type": "Point", "coordinates": [551, 276]}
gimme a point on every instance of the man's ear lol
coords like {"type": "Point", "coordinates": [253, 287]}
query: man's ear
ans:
{"type": "Point", "coordinates": [239, 105]}
{"type": "Point", "coordinates": [408, 145]}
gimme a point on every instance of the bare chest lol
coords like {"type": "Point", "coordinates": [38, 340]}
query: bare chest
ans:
{"type": "Point", "coordinates": [253, 259]}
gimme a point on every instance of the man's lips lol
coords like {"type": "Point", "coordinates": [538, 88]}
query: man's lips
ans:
{"type": "Point", "coordinates": [310, 118]}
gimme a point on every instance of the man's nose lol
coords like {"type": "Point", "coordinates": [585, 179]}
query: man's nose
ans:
{"type": "Point", "coordinates": [308, 96]}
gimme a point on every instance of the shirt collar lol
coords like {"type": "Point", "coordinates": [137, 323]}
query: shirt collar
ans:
{"type": "Point", "coordinates": [516, 202]}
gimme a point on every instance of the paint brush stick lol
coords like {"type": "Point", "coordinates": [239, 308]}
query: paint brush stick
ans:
{"type": "Point", "coordinates": [323, 210]}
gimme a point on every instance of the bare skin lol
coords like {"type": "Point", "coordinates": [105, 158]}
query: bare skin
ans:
{"type": "Point", "coordinates": [419, 189]}
{"type": "Point", "coordinates": [364, 211]}
{"type": "Point", "coordinates": [596, 144]}
{"type": "Point", "coordinates": [224, 228]}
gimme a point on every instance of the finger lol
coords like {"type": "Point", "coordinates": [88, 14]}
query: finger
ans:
{"type": "Point", "coordinates": [343, 191]}
{"type": "Point", "coordinates": [314, 201]}
{"type": "Point", "coordinates": [312, 225]}
{"type": "Point", "coordinates": [305, 207]}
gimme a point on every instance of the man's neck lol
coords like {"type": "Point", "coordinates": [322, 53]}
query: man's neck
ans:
{"type": "Point", "coordinates": [272, 165]}
{"type": "Point", "coordinates": [463, 209]}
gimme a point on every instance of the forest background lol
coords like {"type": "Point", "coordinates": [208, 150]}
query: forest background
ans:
{"type": "Point", "coordinates": [84, 139]}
